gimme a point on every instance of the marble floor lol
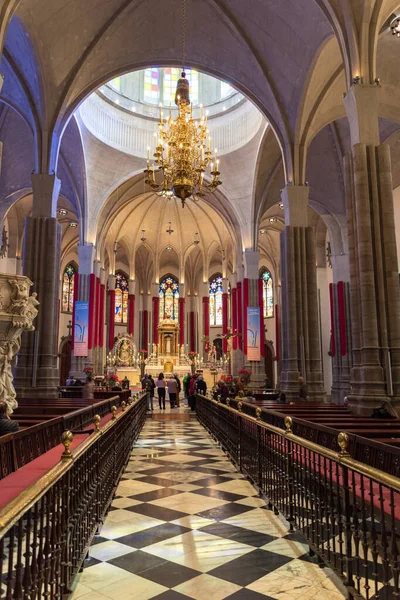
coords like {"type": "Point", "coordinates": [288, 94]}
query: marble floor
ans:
{"type": "Point", "coordinates": [185, 524]}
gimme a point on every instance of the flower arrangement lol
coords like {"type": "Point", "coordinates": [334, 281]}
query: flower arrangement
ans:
{"type": "Point", "coordinates": [112, 380]}
{"type": "Point", "coordinates": [245, 375]}
{"type": "Point", "coordinates": [244, 371]}
{"type": "Point", "coordinates": [192, 353]}
{"type": "Point", "coordinates": [228, 379]}
{"type": "Point", "coordinates": [89, 371]}
{"type": "Point", "coordinates": [142, 353]}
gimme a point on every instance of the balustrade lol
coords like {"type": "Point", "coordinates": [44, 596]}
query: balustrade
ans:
{"type": "Point", "coordinates": [46, 531]}
{"type": "Point", "coordinates": [347, 511]}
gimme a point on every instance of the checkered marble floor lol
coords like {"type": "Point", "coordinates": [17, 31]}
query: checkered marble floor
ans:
{"type": "Point", "coordinates": [185, 524]}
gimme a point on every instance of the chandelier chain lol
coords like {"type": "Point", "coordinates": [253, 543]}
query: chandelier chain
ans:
{"type": "Point", "coordinates": [183, 34]}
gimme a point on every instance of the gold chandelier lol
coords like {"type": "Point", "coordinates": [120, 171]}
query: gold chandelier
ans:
{"type": "Point", "coordinates": [183, 148]}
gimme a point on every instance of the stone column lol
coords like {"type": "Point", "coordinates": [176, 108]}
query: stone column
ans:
{"type": "Point", "coordinates": [374, 288]}
{"type": "Point", "coordinates": [374, 275]}
{"type": "Point", "coordinates": [156, 310]}
{"type": "Point", "coordinates": [85, 282]}
{"type": "Point", "coordinates": [182, 302]}
{"type": "Point", "coordinates": [301, 350]}
{"type": "Point", "coordinates": [251, 298]}
{"type": "Point", "coordinates": [41, 263]}
{"type": "Point", "coordinates": [111, 311]}
{"type": "Point", "coordinates": [131, 307]}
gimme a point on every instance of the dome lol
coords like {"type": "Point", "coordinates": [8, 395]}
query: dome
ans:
{"type": "Point", "coordinates": [143, 91]}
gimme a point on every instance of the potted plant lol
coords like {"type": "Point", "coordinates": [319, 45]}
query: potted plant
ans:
{"type": "Point", "coordinates": [89, 371]}
{"type": "Point", "coordinates": [112, 380]}
{"type": "Point", "coordinates": [245, 375]}
{"type": "Point", "coordinates": [192, 355]}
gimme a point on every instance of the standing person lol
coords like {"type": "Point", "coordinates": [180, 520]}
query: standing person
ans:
{"type": "Point", "coordinates": [172, 391]}
{"type": "Point", "coordinates": [201, 386]}
{"type": "Point", "coordinates": [144, 381]}
{"type": "Point", "coordinates": [179, 387]}
{"type": "Point", "coordinates": [192, 391]}
{"type": "Point", "coordinates": [161, 385]}
{"type": "Point", "coordinates": [186, 385]}
{"type": "Point", "coordinates": [303, 391]}
{"type": "Point", "coordinates": [88, 389]}
{"type": "Point", "coordinates": [149, 387]}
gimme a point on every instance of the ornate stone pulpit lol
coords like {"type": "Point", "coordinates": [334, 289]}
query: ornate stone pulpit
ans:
{"type": "Point", "coordinates": [17, 311]}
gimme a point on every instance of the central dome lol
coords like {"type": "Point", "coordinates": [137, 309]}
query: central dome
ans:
{"type": "Point", "coordinates": [154, 86]}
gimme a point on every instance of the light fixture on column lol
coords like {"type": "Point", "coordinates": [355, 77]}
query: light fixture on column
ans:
{"type": "Point", "coordinates": [143, 239]}
{"type": "Point", "coordinates": [183, 146]}
{"type": "Point", "coordinates": [262, 231]}
{"type": "Point", "coordinates": [115, 247]}
{"type": "Point", "coordinates": [196, 239]}
{"type": "Point", "coordinates": [169, 230]}
{"type": "Point", "coordinates": [62, 212]}
{"type": "Point", "coordinates": [281, 205]}
{"type": "Point", "coordinates": [273, 219]}
{"type": "Point", "coordinates": [169, 248]}
{"type": "Point", "coordinates": [73, 224]}
{"type": "Point", "coordinates": [395, 26]}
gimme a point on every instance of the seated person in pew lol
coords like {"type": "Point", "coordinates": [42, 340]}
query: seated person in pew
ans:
{"type": "Point", "coordinates": [303, 390]}
{"type": "Point", "coordinates": [6, 424]}
{"type": "Point", "coordinates": [282, 398]}
{"type": "Point", "coordinates": [385, 411]}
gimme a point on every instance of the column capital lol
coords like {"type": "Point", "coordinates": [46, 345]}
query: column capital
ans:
{"type": "Point", "coordinates": [96, 267]}
{"type": "Point", "coordinates": [361, 103]}
{"type": "Point", "coordinates": [46, 189]}
{"type": "Point", "coordinates": [86, 255]}
{"type": "Point", "coordinates": [111, 283]}
{"type": "Point", "coordinates": [132, 287]}
{"type": "Point", "coordinates": [295, 203]}
{"type": "Point", "coordinates": [251, 264]}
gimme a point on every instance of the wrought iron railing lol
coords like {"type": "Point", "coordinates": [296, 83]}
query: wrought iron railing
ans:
{"type": "Point", "coordinates": [46, 531]}
{"type": "Point", "coordinates": [18, 449]}
{"type": "Point", "coordinates": [347, 511]}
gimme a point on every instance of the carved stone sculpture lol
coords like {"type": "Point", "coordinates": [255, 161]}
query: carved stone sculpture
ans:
{"type": "Point", "coordinates": [17, 312]}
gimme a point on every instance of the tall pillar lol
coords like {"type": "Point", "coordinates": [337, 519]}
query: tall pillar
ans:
{"type": "Point", "coordinates": [225, 315]}
{"type": "Point", "coordinates": [374, 283]}
{"type": "Point", "coordinates": [301, 350]}
{"type": "Point", "coordinates": [156, 310]}
{"type": "Point", "coordinates": [82, 293]}
{"type": "Point", "coordinates": [181, 322]}
{"type": "Point", "coordinates": [111, 311]}
{"type": "Point", "coordinates": [37, 358]}
{"type": "Point", "coordinates": [192, 332]}
{"type": "Point", "coordinates": [145, 330]}
{"type": "Point", "coordinates": [131, 307]}
{"type": "Point", "coordinates": [251, 299]}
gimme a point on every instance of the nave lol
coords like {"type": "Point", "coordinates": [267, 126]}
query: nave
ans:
{"type": "Point", "coordinates": [186, 524]}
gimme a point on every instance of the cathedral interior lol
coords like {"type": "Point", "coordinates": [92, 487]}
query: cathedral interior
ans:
{"type": "Point", "coordinates": [208, 190]}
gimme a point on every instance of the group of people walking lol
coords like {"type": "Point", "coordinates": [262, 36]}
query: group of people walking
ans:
{"type": "Point", "coordinates": [192, 385]}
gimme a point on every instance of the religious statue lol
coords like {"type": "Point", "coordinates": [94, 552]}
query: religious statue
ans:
{"type": "Point", "coordinates": [124, 352]}
{"type": "Point", "coordinates": [17, 312]}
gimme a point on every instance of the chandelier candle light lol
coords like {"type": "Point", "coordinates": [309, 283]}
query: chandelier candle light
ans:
{"type": "Point", "coordinates": [183, 147]}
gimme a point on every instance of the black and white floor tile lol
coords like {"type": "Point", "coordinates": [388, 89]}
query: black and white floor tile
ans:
{"type": "Point", "coordinates": [185, 524]}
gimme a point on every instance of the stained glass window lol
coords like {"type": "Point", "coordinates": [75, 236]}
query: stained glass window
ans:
{"type": "Point", "coordinates": [121, 298]}
{"type": "Point", "coordinates": [169, 298]}
{"type": "Point", "coordinates": [152, 85]}
{"type": "Point", "coordinates": [68, 289]}
{"type": "Point", "coordinates": [268, 294]}
{"type": "Point", "coordinates": [215, 296]}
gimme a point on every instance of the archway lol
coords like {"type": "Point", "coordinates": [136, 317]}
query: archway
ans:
{"type": "Point", "coordinates": [269, 357]}
{"type": "Point", "coordinates": [65, 360]}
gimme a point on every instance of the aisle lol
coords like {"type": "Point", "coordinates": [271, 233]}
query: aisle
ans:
{"type": "Point", "coordinates": [186, 524]}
